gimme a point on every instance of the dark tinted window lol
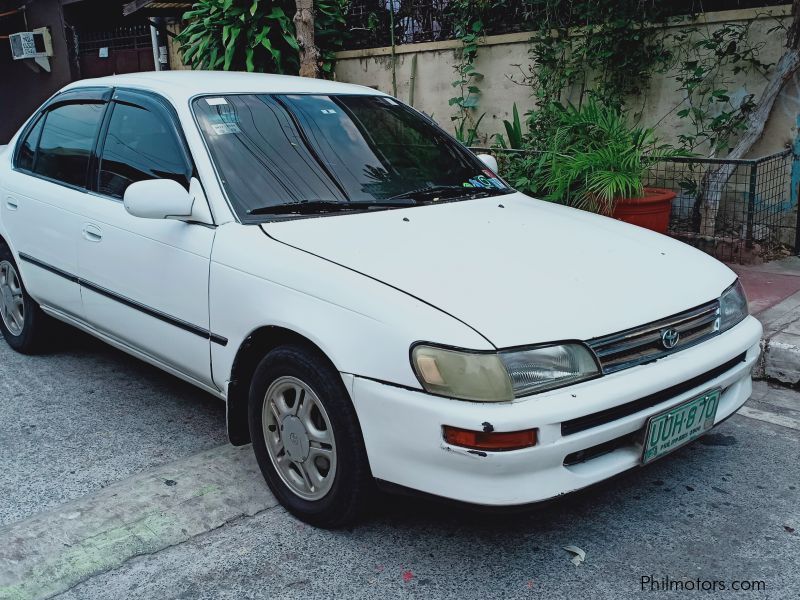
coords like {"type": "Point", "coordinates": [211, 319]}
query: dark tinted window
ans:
{"type": "Point", "coordinates": [27, 149]}
{"type": "Point", "coordinates": [277, 149]}
{"type": "Point", "coordinates": [139, 145]}
{"type": "Point", "coordinates": [67, 141]}
{"type": "Point", "coordinates": [260, 155]}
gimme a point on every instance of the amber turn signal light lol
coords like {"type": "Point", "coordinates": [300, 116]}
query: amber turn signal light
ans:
{"type": "Point", "coordinates": [492, 441]}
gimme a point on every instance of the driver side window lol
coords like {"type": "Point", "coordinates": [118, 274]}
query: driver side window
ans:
{"type": "Point", "coordinates": [139, 145]}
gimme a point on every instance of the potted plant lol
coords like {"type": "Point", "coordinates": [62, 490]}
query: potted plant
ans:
{"type": "Point", "coordinates": [595, 161]}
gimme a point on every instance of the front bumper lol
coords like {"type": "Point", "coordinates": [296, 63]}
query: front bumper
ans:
{"type": "Point", "coordinates": [403, 428]}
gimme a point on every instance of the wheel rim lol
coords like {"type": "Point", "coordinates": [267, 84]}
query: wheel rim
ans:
{"type": "Point", "coordinates": [12, 305]}
{"type": "Point", "coordinates": [299, 438]}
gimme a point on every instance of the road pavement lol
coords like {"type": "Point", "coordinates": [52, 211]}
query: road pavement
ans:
{"type": "Point", "coordinates": [116, 482]}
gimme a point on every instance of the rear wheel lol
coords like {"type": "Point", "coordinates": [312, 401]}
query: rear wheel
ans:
{"type": "Point", "coordinates": [307, 438]}
{"type": "Point", "coordinates": [22, 322]}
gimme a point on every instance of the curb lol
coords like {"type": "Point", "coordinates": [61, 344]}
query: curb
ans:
{"type": "Point", "coordinates": [780, 346]}
{"type": "Point", "coordinates": [780, 359]}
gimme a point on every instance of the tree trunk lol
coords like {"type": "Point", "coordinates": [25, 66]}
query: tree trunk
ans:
{"type": "Point", "coordinates": [304, 30]}
{"type": "Point", "coordinates": [715, 181]}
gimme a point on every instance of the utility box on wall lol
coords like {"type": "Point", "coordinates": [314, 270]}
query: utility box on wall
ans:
{"type": "Point", "coordinates": [36, 45]}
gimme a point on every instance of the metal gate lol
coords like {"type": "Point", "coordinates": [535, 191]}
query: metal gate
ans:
{"type": "Point", "coordinates": [122, 50]}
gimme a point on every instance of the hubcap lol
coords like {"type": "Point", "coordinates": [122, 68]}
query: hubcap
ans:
{"type": "Point", "coordinates": [299, 438]}
{"type": "Point", "coordinates": [12, 307]}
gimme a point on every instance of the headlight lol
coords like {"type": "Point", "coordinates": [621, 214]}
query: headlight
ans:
{"type": "Point", "coordinates": [466, 375]}
{"type": "Point", "coordinates": [548, 367]}
{"type": "Point", "coordinates": [500, 377]}
{"type": "Point", "coordinates": [732, 306]}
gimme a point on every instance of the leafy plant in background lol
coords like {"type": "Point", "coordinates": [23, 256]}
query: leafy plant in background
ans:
{"type": "Point", "coordinates": [610, 51]}
{"type": "Point", "coordinates": [580, 49]}
{"type": "Point", "coordinates": [330, 30]}
{"type": "Point", "coordinates": [707, 63]}
{"type": "Point", "coordinates": [466, 130]}
{"type": "Point", "coordinates": [255, 35]}
{"type": "Point", "coordinates": [513, 132]}
{"type": "Point", "coordinates": [591, 49]}
{"type": "Point", "coordinates": [593, 159]}
{"type": "Point", "coordinates": [469, 29]}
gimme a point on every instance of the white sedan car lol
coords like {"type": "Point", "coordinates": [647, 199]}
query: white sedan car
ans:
{"type": "Point", "coordinates": [370, 299]}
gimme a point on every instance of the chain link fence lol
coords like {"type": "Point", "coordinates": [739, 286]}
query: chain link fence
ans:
{"type": "Point", "coordinates": [756, 217]}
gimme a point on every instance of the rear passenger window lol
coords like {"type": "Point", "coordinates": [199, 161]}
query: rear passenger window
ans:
{"type": "Point", "coordinates": [27, 150]}
{"type": "Point", "coordinates": [139, 145]}
{"type": "Point", "coordinates": [67, 141]}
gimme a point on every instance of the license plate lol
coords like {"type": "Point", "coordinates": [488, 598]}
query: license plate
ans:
{"type": "Point", "coordinates": [679, 425]}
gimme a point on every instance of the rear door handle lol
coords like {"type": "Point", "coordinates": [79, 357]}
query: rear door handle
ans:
{"type": "Point", "coordinates": [92, 233]}
{"type": "Point", "coordinates": [11, 203]}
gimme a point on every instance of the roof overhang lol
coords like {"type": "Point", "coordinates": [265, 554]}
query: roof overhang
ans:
{"type": "Point", "coordinates": [152, 7]}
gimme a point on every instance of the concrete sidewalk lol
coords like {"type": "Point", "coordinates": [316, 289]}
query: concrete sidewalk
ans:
{"type": "Point", "coordinates": [773, 291]}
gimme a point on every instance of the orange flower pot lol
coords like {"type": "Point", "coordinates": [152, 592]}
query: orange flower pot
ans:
{"type": "Point", "coordinates": [651, 211]}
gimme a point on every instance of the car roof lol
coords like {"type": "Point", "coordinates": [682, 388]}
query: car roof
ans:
{"type": "Point", "coordinates": [180, 86]}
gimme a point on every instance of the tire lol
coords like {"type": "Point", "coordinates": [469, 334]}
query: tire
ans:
{"type": "Point", "coordinates": [312, 456]}
{"type": "Point", "coordinates": [22, 322]}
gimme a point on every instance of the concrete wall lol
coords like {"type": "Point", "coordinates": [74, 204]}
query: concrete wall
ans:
{"type": "Point", "coordinates": [22, 90]}
{"type": "Point", "coordinates": [501, 59]}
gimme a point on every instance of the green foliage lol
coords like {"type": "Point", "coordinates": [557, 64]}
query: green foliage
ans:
{"type": "Point", "coordinates": [593, 159]}
{"type": "Point", "coordinates": [601, 49]}
{"type": "Point", "coordinates": [707, 63]}
{"type": "Point", "coordinates": [255, 35]}
{"type": "Point", "coordinates": [469, 29]}
{"type": "Point", "coordinates": [329, 30]}
{"type": "Point", "coordinates": [466, 130]}
{"type": "Point", "coordinates": [609, 51]}
{"type": "Point", "coordinates": [597, 48]}
{"type": "Point", "coordinates": [513, 131]}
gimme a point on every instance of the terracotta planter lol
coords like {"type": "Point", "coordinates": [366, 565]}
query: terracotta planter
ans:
{"type": "Point", "coordinates": [651, 211]}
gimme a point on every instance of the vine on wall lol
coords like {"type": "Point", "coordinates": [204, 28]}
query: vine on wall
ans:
{"type": "Point", "coordinates": [708, 68]}
{"type": "Point", "coordinates": [469, 28]}
{"type": "Point", "coordinates": [609, 51]}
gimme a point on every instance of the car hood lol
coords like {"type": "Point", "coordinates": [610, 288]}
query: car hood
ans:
{"type": "Point", "coordinates": [518, 270]}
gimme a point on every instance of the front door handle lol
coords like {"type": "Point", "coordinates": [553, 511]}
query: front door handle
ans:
{"type": "Point", "coordinates": [92, 233]}
{"type": "Point", "coordinates": [11, 203]}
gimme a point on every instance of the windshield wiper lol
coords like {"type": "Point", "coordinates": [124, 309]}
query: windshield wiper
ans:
{"type": "Point", "coordinates": [323, 206]}
{"type": "Point", "coordinates": [447, 191]}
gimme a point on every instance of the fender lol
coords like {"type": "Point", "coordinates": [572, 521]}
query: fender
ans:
{"type": "Point", "coordinates": [263, 293]}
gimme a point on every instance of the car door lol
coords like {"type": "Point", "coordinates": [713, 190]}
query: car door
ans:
{"type": "Point", "coordinates": [145, 281]}
{"type": "Point", "coordinates": [44, 192]}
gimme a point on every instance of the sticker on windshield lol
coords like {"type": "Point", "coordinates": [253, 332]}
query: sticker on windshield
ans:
{"type": "Point", "coordinates": [484, 182]}
{"type": "Point", "coordinates": [481, 181]}
{"type": "Point", "coordinates": [328, 111]}
{"type": "Point", "coordinates": [390, 101]}
{"type": "Point", "coordinates": [224, 123]}
{"type": "Point", "coordinates": [216, 101]}
{"type": "Point", "coordinates": [494, 179]}
{"type": "Point", "coordinates": [223, 128]}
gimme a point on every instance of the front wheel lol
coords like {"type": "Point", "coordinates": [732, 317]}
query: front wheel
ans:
{"type": "Point", "coordinates": [307, 438]}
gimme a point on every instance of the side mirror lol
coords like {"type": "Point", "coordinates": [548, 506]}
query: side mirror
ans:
{"type": "Point", "coordinates": [158, 199]}
{"type": "Point", "coordinates": [490, 161]}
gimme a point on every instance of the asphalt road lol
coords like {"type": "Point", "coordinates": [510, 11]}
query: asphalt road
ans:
{"type": "Point", "coordinates": [88, 431]}
{"type": "Point", "coordinates": [86, 415]}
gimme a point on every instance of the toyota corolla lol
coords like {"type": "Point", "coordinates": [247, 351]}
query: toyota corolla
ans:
{"type": "Point", "coordinates": [371, 300]}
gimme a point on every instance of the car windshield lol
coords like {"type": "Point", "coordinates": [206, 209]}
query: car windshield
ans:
{"type": "Point", "coordinates": [322, 151]}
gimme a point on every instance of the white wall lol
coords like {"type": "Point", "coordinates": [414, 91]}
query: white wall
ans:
{"type": "Point", "coordinates": [497, 57]}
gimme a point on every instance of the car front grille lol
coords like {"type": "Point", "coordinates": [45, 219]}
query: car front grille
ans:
{"type": "Point", "coordinates": [644, 344]}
